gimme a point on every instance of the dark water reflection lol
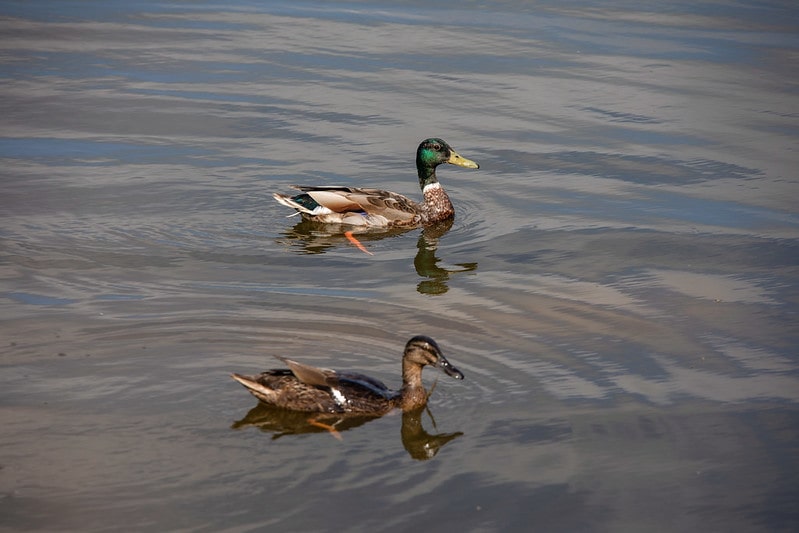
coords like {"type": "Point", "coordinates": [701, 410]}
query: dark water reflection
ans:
{"type": "Point", "coordinates": [281, 422]}
{"type": "Point", "coordinates": [315, 238]}
{"type": "Point", "coordinates": [427, 262]}
{"type": "Point", "coordinates": [419, 444]}
{"type": "Point", "coordinates": [620, 284]}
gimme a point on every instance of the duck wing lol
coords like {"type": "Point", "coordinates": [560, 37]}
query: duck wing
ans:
{"type": "Point", "coordinates": [388, 204]}
{"type": "Point", "coordinates": [327, 378]}
{"type": "Point", "coordinates": [367, 384]}
{"type": "Point", "coordinates": [344, 391]}
{"type": "Point", "coordinates": [310, 375]}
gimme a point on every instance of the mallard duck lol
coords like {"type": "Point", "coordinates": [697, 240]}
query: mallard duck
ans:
{"type": "Point", "coordinates": [310, 389]}
{"type": "Point", "coordinates": [378, 208]}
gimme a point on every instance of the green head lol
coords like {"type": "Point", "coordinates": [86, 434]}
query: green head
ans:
{"type": "Point", "coordinates": [431, 153]}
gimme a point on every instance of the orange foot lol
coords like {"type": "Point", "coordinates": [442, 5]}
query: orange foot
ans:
{"type": "Point", "coordinates": [328, 427]}
{"type": "Point", "coordinates": [356, 242]}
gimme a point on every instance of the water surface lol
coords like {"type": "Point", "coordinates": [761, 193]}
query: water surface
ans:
{"type": "Point", "coordinates": [620, 285]}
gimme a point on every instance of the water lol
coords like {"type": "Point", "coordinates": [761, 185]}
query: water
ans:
{"type": "Point", "coordinates": [619, 286]}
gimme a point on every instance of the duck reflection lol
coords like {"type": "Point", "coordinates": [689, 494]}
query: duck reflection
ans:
{"type": "Point", "coordinates": [426, 260]}
{"type": "Point", "coordinates": [419, 444]}
{"type": "Point", "coordinates": [317, 238]}
{"type": "Point", "coordinates": [282, 422]}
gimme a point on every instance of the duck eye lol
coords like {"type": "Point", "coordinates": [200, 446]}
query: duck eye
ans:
{"type": "Point", "coordinates": [436, 147]}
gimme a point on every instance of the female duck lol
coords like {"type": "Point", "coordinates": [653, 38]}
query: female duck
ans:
{"type": "Point", "coordinates": [379, 208]}
{"type": "Point", "coordinates": [310, 389]}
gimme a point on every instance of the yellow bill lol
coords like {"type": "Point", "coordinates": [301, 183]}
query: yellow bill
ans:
{"type": "Point", "coordinates": [457, 159]}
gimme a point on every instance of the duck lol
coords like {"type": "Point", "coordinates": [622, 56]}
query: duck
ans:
{"type": "Point", "coordinates": [357, 206]}
{"type": "Point", "coordinates": [306, 388]}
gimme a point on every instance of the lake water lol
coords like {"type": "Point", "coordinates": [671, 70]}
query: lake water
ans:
{"type": "Point", "coordinates": [620, 285]}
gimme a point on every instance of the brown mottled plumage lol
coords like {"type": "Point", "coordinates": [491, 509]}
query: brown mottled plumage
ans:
{"type": "Point", "coordinates": [376, 207]}
{"type": "Point", "coordinates": [307, 388]}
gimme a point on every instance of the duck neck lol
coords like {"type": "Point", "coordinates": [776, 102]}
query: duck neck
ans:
{"type": "Point", "coordinates": [426, 172]}
{"type": "Point", "coordinates": [437, 205]}
{"type": "Point", "coordinates": [412, 395]}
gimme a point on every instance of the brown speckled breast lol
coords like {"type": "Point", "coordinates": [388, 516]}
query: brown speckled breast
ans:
{"type": "Point", "coordinates": [437, 206]}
